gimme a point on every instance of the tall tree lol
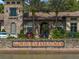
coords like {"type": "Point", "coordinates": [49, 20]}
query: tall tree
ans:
{"type": "Point", "coordinates": [78, 5]}
{"type": "Point", "coordinates": [44, 6]}
{"type": "Point", "coordinates": [62, 5]}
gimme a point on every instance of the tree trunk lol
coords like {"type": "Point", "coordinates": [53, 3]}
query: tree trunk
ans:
{"type": "Point", "coordinates": [33, 18]}
{"type": "Point", "coordinates": [56, 19]}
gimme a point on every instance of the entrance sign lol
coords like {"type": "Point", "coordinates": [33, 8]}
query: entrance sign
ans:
{"type": "Point", "coordinates": [38, 44]}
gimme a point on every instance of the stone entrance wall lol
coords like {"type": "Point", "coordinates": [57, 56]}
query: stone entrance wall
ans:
{"type": "Point", "coordinates": [7, 43]}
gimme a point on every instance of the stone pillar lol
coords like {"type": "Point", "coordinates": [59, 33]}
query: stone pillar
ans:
{"type": "Point", "coordinates": [50, 30]}
{"type": "Point", "coordinates": [37, 30]}
{"type": "Point", "coordinates": [68, 24]}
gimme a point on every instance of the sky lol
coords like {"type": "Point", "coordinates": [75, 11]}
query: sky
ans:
{"type": "Point", "coordinates": [44, 0]}
{"type": "Point", "coordinates": [1, 1]}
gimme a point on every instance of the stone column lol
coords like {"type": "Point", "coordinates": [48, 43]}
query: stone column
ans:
{"type": "Point", "coordinates": [50, 30]}
{"type": "Point", "coordinates": [68, 24]}
{"type": "Point", "coordinates": [37, 30]}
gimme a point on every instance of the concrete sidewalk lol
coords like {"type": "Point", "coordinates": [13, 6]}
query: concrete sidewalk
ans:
{"type": "Point", "coordinates": [39, 50]}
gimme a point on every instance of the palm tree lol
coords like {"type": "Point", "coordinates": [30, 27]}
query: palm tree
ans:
{"type": "Point", "coordinates": [34, 7]}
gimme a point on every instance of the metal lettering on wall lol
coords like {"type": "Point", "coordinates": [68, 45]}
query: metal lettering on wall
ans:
{"type": "Point", "coordinates": [38, 44]}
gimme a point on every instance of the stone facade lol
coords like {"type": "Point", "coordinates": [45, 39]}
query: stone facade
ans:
{"type": "Point", "coordinates": [40, 19]}
{"type": "Point", "coordinates": [8, 20]}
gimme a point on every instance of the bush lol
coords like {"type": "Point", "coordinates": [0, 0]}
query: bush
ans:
{"type": "Point", "coordinates": [72, 34]}
{"type": "Point", "coordinates": [58, 33]}
{"type": "Point", "coordinates": [30, 35]}
{"type": "Point", "coordinates": [77, 34]}
{"type": "Point", "coordinates": [22, 32]}
{"type": "Point", "coordinates": [67, 34]}
{"type": "Point", "coordinates": [21, 35]}
{"type": "Point", "coordinates": [10, 37]}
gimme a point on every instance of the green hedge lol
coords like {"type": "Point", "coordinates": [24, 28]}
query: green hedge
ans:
{"type": "Point", "coordinates": [72, 34]}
